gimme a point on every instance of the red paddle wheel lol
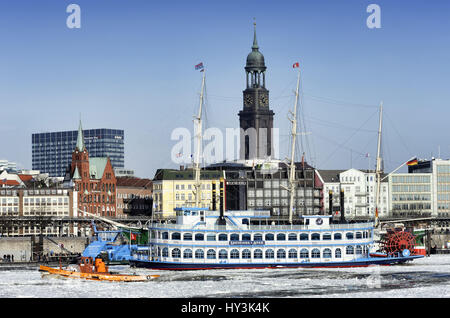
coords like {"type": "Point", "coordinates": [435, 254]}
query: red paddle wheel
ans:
{"type": "Point", "coordinates": [398, 241]}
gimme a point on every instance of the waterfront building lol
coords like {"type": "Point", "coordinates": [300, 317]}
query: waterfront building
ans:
{"type": "Point", "coordinates": [93, 180]}
{"type": "Point", "coordinates": [264, 187]}
{"type": "Point", "coordinates": [134, 197]}
{"type": "Point", "coordinates": [175, 189]}
{"type": "Point", "coordinates": [7, 165]}
{"type": "Point", "coordinates": [52, 151]}
{"type": "Point", "coordinates": [411, 194]}
{"type": "Point", "coordinates": [440, 172]}
{"type": "Point", "coordinates": [359, 187]}
{"type": "Point", "coordinates": [37, 206]}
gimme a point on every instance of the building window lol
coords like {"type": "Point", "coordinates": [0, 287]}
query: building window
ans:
{"type": "Point", "coordinates": [327, 253]}
{"type": "Point", "coordinates": [315, 253]}
{"type": "Point", "coordinates": [211, 254]}
{"type": "Point", "coordinates": [199, 254]}
{"type": "Point", "coordinates": [304, 253]}
{"type": "Point", "coordinates": [258, 254]}
{"type": "Point", "coordinates": [187, 253]}
{"type": "Point", "coordinates": [246, 254]}
{"type": "Point", "coordinates": [176, 253]}
{"type": "Point", "coordinates": [292, 253]}
{"type": "Point", "coordinates": [187, 236]}
{"type": "Point", "coordinates": [281, 253]}
{"type": "Point", "coordinates": [223, 254]}
{"type": "Point", "coordinates": [349, 250]}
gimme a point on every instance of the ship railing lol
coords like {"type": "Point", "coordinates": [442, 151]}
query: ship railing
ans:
{"type": "Point", "coordinates": [265, 227]}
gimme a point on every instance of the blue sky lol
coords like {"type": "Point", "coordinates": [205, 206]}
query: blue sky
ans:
{"type": "Point", "coordinates": [131, 66]}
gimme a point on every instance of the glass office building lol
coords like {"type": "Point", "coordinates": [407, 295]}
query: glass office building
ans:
{"type": "Point", "coordinates": [52, 151]}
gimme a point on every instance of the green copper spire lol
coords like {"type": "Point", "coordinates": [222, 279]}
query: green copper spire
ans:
{"type": "Point", "coordinates": [255, 59]}
{"type": "Point", "coordinates": [255, 42]}
{"type": "Point", "coordinates": [80, 139]}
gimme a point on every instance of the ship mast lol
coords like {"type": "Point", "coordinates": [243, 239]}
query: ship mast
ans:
{"type": "Point", "coordinates": [292, 183]}
{"type": "Point", "coordinates": [198, 136]}
{"type": "Point", "coordinates": [378, 168]}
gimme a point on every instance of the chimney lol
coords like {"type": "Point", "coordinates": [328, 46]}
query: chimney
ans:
{"type": "Point", "coordinates": [330, 202]}
{"type": "Point", "coordinates": [342, 207]}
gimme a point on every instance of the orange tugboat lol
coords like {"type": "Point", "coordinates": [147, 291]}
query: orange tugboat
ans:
{"type": "Point", "coordinates": [88, 269]}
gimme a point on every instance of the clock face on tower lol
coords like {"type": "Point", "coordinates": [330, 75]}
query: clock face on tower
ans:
{"type": "Point", "coordinates": [263, 100]}
{"type": "Point", "coordinates": [248, 100]}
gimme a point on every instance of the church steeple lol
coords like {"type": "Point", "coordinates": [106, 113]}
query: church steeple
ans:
{"type": "Point", "coordinates": [80, 139]}
{"type": "Point", "coordinates": [256, 119]}
{"type": "Point", "coordinates": [255, 42]}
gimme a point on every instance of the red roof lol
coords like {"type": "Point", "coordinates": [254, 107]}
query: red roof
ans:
{"type": "Point", "coordinates": [9, 182]}
{"type": "Point", "coordinates": [25, 177]}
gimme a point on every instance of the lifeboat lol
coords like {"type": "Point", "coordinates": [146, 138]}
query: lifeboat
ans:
{"type": "Point", "coordinates": [94, 270]}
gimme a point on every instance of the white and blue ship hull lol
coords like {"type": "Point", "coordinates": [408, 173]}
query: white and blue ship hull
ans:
{"type": "Point", "coordinates": [242, 240]}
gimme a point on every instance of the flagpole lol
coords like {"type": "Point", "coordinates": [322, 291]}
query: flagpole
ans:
{"type": "Point", "coordinates": [199, 140]}
{"type": "Point", "coordinates": [292, 165]}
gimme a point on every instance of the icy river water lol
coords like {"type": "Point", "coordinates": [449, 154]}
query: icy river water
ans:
{"type": "Point", "coordinates": [423, 278]}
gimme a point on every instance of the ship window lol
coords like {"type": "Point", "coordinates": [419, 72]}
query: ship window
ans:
{"type": "Point", "coordinates": [165, 235]}
{"type": "Point", "coordinates": [270, 253]}
{"type": "Point", "coordinates": [223, 237]}
{"type": "Point", "coordinates": [211, 237]}
{"type": "Point", "coordinates": [245, 221]}
{"type": "Point", "coordinates": [304, 253]}
{"type": "Point", "coordinates": [165, 252]}
{"type": "Point", "coordinates": [176, 236]}
{"type": "Point", "coordinates": [315, 253]}
{"type": "Point", "coordinates": [292, 253]}
{"type": "Point", "coordinates": [211, 254]}
{"type": "Point", "coordinates": [281, 237]}
{"type": "Point", "coordinates": [358, 250]}
{"type": "Point", "coordinates": [281, 253]}
{"type": "Point", "coordinates": [292, 237]}
{"type": "Point", "coordinates": [304, 237]}
{"type": "Point", "coordinates": [234, 254]}
{"type": "Point", "coordinates": [176, 253]}
{"type": "Point", "coordinates": [349, 236]}
{"type": "Point", "coordinates": [223, 254]}
{"type": "Point", "coordinates": [338, 236]}
{"type": "Point", "coordinates": [269, 237]}
{"type": "Point", "coordinates": [358, 235]}
{"type": "Point", "coordinates": [246, 253]}
{"type": "Point", "coordinates": [315, 237]}
{"type": "Point", "coordinates": [327, 253]}
{"type": "Point", "coordinates": [187, 253]}
{"type": "Point", "coordinates": [234, 237]}
{"type": "Point", "coordinates": [326, 236]}
{"type": "Point", "coordinates": [258, 254]}
{"type": "Point", "coordinates": [199, 237]}
{"type": "Point", "coordinates": [246, 237]}
{"type": "Point", "coordinates": [187, 236]}
{"type": "Point", "coordinates": [199, 254]}
{"type": "Point", "coordinates": [338, 253]}
{"type": "Point", "coordinates": [349, 250]}
{"type": "Point", "coordinates": [257, 237]}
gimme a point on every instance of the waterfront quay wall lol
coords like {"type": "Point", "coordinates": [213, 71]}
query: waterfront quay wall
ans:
{"type": "Point", "coordinates": [21, 249]}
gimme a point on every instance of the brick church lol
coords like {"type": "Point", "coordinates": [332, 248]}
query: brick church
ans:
{"type": "Point", "coordinates": [94, 181]}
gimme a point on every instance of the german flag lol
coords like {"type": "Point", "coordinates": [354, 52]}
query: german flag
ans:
{"type": "Point", "coordinates": [412, 162]}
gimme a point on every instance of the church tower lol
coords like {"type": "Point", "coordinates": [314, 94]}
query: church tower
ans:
{"type": "Point", "coordinates": [80, 158]}
{"type": "Point", "coordinates": [256, 119]}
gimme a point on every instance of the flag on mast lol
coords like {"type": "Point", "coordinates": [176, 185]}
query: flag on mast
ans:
{"type": "Point", "coordinates": [296, 64]}
{"type": "Point", "coordinates": [412, 162]}
{"type": "Point", "coordinates": [199, 66]}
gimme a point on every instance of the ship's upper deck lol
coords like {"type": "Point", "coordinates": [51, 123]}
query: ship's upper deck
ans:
{"type": "Point", "coordinates": [203, 219]}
